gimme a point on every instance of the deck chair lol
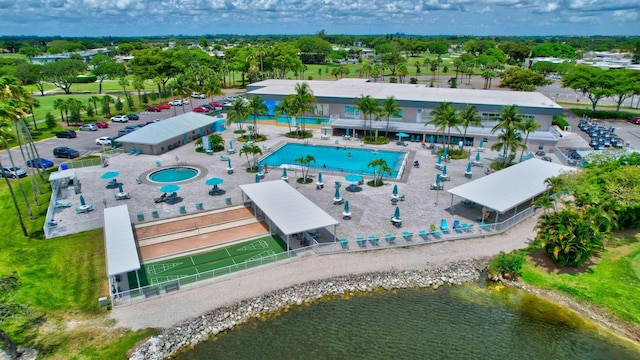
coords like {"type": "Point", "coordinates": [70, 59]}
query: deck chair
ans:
{"type": "Point", "coordinates": [484, 218]}
{"type": "Point", "coordinates": [407, 235]}
{"type": "Point", "coordinates": [132, 151]}
{"type": "Point", "coordinates": [435, 232]}
{"type": "Point", "coordinates": [457, 226]}
{"type": "Point", "coordinates": [361, 241]}
{"type": "Point", "coordinates": [424, 234]}
{"type": "Point", "coordinates": [198, 206]}
{"type": "Point", "coordinates": [390, 238]}
{"type": "Point", "coordinates": [138, 181]}
{"type": "Point", "coordinates": [344, 242]}
{"type": "Point", "coordinates": [466, 227]}
{"type": "Point", "coordinates": [373, 239]}
{"type": "Point", "coordinates": [140, 215]}
{"type": "Point", "coordinates": [63, 204]}
{"type": "Point", "coordinates": [182, 209]}
{"type": "Point", "coordinates": [154, 213]}
{"type": "Point", "coordinates": [444, 227]}
{"type": "Point", "coordinates": [227, 201]}
{"type": "Point", "coordinates": [138, 152]}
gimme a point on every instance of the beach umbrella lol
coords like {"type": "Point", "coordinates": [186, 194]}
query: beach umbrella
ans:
{"type": "Point", "coordinates": [400, 135]}
{"type": "Point", "coordinates": [284, 172]}
{"type": "Point", "coordinates": [444, 170]}
{"type": "Point", "coordinates": [477, 157]}
{"type": "Point", "coordinates": [481, 143]}
{"type": "Point", "coordinates": [257, 178]}
{"type": "Point", "coordinates": [120, 188]}
{"type": "Point", "coordinates": [438, 179]}
{"type": "Point", "coordinates": [229, 163]}
{"type": "Point", "coordinates": [439, 160]}
{"type": "Point", "coordinates": [230, 144]}
{"type": "Point", "coordinates": [336, 196]}
{"type": "Point", "coordinates": [396, 214]}
{"type": "Point", "coordinates": [320, 178]}
{"type": "Point", "coordinates": [214, 181]}
{"type": "Point", "coordinates": [82, 203]}
{"type": "Point", "coordinates": [395, 190]}
{"type": "Point", "coordinates": [431, 139]}
{"type": "Point", "coordinates": [445, 153]}
{"type": "Point", "coordinates": [346, 211]}
{"type": "Point", "coordinates": [469, 167]}
{"type": "Point", "coordinates": [110, 175]}
{"type": "Point", "coordinates": [170, 188]}
{"type": "Point", "coordinates": [325, 131]}
{"type": "Point", "coordinates": [347, 132]}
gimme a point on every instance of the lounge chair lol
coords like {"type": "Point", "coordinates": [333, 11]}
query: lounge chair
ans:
{"type": "Point", "coordinates": [485, 226]}
{"type": "Point", "coordinates": [344, 242]}
{"type": "Point", "coordinates": [444, 227]}
{"type": "Point", "coordinates": [424, 234]}
{"type": "Point", "coordinates": [373, 239]}
{"type": "Point", "coordinates": [154, 213]}
{"type": "Point", "coordinates": [435, 232]}
{"type": "Point", "coordinates": [457, 226]}
{"type": "Point", "coordinates": [132, 151]}
{"type": "Point", "coordinates": [182, 209]}
{"type": "Point", "coordinates": [361, 241]}
{"type": "Point", "coordinates": [199, 206]}
{"type": "Point", "coordinates": [158, 163]}
{"type": "Point", "coordinates": [407, 235]}
{"type": "Point", "coordinates": [138, 152]}
{"type": "Point", "coordinates": [63, 204]}
{"type": "Point", "coordinates": [466, 227]}
{"type": "Point", "coordinates": [390, 238]}
{"type": "Point", "coordinates": [140, 215]}
{"type": "Point", "coordinates": [227, 201]}
{"type": "Point", "coordinates": [138, 181]}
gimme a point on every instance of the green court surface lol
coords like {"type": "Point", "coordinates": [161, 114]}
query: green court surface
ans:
{"type": "Point", "coordinates": [222, 261]}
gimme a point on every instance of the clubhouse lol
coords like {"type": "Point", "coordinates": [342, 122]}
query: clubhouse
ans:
{"type": "Point", "coordinates": [336, 108]}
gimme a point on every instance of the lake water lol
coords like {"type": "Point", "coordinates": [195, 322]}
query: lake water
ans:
{"type": "Point", "coordinates": [465, 322]}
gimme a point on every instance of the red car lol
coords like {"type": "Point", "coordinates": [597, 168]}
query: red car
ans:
{"type": "Point", "coordinates": [201, 109]}
{"type": "Point", "coordinates": [102, 125]}
{"type": "Point", "coordinates": [153, 109]}
{"type": "Point", "coordinates": [635, 120]}
{"type": "Point", "coordinates": [217, 104]}
{"type": "Point", "coordinates": [164, 106]}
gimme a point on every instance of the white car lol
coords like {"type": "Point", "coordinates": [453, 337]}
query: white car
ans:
{"type": "Point", "coordinates": [176, 103]}
{"type": "Point", "coordinates": [197, 95]}
{"type": "Point", "coordinates": [105, 141]}
{"type": "Point", "coordinates": [120, 118]}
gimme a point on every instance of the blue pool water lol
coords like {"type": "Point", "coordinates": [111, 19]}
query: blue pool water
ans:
{"type": "Point", "coordinates": [286, 119]}
{"type": "Point", "coordinates": [174, 174]}
{"type": "Point", "coordinates": [336, 158]}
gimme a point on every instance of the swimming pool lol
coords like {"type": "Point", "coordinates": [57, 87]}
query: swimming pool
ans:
{"type": "Point", "coordinates": [173, 174]}
{"type": "Point", "coordinates": [336, 158]}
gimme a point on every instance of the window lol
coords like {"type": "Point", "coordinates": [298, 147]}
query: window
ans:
{"type": "Point", "coordinates": [351, 112]}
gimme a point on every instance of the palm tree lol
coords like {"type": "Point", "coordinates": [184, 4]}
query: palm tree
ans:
{"type": "Point", "coordinates": [368, 106]}
{"type": "Point", "coordinates": [304, 162]}
{"type": "Point", "coordinates": [509, 117]}
{"type": "Point", "coordinates": [303, 101]}
{"type": "Point", "coordinates": [106, 105]}
{"type": "Point", "coordinates": [252, 150]}
{"type": "Point", "coordinates": [528, 126]}
{"type": "Point", "coordinates": [138, 85]}
{"type": "Point", "coordinates": [256, 107]}
{"type": "Point", "coordinates": [545, 202]}
{"type": "Point", "coordinates": [470, 116]}
{"type": "Point", "coordinates": [60, 104]}
{"type": "Point", "coordinates": [380, 167]}
{"type": "Point", "coordinates": [285, 108]}
{"type": "Point", "coordinates": [390, 107]}
{"type": "Point", "coordinates": [445, 116]}
{"type": "Point", "coordinates": [510, 140]}
{"type": "Point", "coordinates": [487, 75]}
{"type": "Point", "coordinates": [238, 113]}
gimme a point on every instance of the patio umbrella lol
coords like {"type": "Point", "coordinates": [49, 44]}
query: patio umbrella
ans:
{"type": "Point", "coordinates": [445, 153]}
{"type": "Point", "coordinates": [257, 178]}
{"type": "Point", "coordinates": [320, 178]}
{"type": "Point", "coordinates": [284, 172]}
{"type": "Point", "coordinates": [395, 190]}
{"type": "Point", "coordinates": [347, 132]}
{"type": "Point", "coordinates": [431, 139]}
{"type": "Point", "coordinates": [120, 188]}
{"type": "Point", "coordinates": [336, 196]}
{"type": "Point", "coordinates": [469, 167]}
{"type": "Point", "coordinates": [229, 164]}
{"type": "Point", "coordinates": [481, 143]}
{"type": "Point", "coordinates": [110, 175]}
{"type": "Point", "coordinates": [439, 159]}
{"type": "Point", "coordinates": [400, 135]}
{"type": "Point", "coordinates": [170, 188]}
{"type": "Point", "coordinates": [346, 211]}
{"type": "Point", "coordinates": [230, 144]}
{"type": "Point", "coordinates": [82, 203]}
{"type": "Point", "coordinates": [438, 179]}
{"type": "Point", "coordinates": [444, 170]}
{"type": "Point", "coordinates": [396, 214]}
{"type": "Point", "coordinates": [325, 131]}
{"type": "Point", "coordinates": [477, 157]}
{"type": "Point", "coordinates": [214, 181]}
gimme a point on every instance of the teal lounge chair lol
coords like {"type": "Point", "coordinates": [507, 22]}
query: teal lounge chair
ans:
{"type": "Point", "coordinates": [63, 204]}
{"type": "Point", "coordinates": [424, 234]}
{"type": "Point", "coordinates": [457, 226]}
{"type": "Point", "coordinates": [444, 227]}
{"type": "Point", "coordinates": [132, 151]}
{"type": "Point", "coordinates": [199, 206]}
{"type": "Point", "coordinates": [361, 241]}
{"type": "Point", "coordinates": [435, 232]}
{"type": "Point", "coordinates": [373, 239]}
{"type": "Point", "coordinates": [390, 238]}
{"type": "Point", "coordinates": [140, 216]}
{"type": "Point", "coordinates": [407, 235]}
{"type": "Point", "coordinates": [154, 213]}
{"type": "Point", "coordinates": [344, 242]}
{"type": "Point", "coordinates": [182, 209]}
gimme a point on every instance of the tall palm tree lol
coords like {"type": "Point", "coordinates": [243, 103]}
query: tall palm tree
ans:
{"type": "Point", "coordinates": [285, 108]}
{"type": "Point", "coordinates": [390, 107]}
{"type": "Point", "coordinates": [61, 105]}
{"type": "Point", "coordinates": [303, 100]}
{"type": "Point", "coordinates": [304, 162]}
{"type": "Point", "coordinates": [238, 113]}
{"type": "Point", "coordinates": [445, 116]}
{"type": "Point", "coordinates": [368, 106]}
{"type": "Point", "coordinates": [509, 117]}
{"type": "Point", "coordinates": [380, 167]}
{"type": "Point", "coordinates": [470, 116]}
{"type": "Point", "coordinates": [510, 140]}
{"type": "Point", "coordinates": [253, 150]}
{"type": "Point", "coordinates": [257, 107]}
{"type": "Point", "coordinates": [528, 126]}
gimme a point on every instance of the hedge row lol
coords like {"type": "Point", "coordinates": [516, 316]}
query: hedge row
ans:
{"type": "Point", "coordinates": [603, 114]}
{"type": "Point", "coordinates": [85, 79]}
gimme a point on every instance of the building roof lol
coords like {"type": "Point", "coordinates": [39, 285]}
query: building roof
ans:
{"type": "Point", "coordinates": [119, 244]}
{"type": "Point", "coordinates": [352, 88]}
{"type": "Point", "coordinates": [168, 129]}
{"type": "Point", "coordinates": [289, 210]}
{"type": "Point", "coordinates": [512, 186]}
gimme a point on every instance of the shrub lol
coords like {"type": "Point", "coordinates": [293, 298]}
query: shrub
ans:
{"type": "Point", "coordinates": [380, 140]}
{"type": "Point", "coordinates": [393, 79]}
{"type": "Point", "coordinates": [413, 80]}
{"type": "Point", "coordinates": [50, 120]}
{"type": "Point", "coordinates": [85, 79]}
{"type": "Point", "coordinates": [560, 121]}
{"type": "Point", "coordinates": [509, 265]}
{"type": "Point", "coordinates": [602, 114]}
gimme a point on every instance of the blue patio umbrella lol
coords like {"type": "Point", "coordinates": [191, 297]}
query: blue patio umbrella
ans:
{"type": "Point", "coordinates": [347, 132]}
{"type": "Point", "coordinates": [400, 135]}
{"type": "Point", "coordinates": [320, 177]}
{"type": "Point", "coordinates": [431, 139]}
{"type": "Point", "coordinates": [477, 157]}
{"type": "Point", "coordinates": [82, 203]}
{"type": "Point", "coordinates": [120, 188]}
{"type": "Point", "coordinates": [439, 160]}
{"type": "Point", "coordinates": [284, 172]}
{"type": "Point", "coordinates": [257, 178]}
{"type": "Point", "coordinates": [438, 179]}
{"type": "Point", "coordinates": [445, 153]}
{"type": "Point", "coordinates": [336, 196]}
{"type": "Point", "coordinates": [110, 175]}
{"type": "Point", "coordinates": [230, 144]}
{"type": "Point", "coordinates": [229, 163]}
{"type": "Point", "coordinates": [170, 188]}
{"type": "Point", "coordinates": [396, 214]}
{"type": "Point", "coordinates": [481, 143]}
{"type": "Point", "coordinates": [395, 190]}
{"type": "Point", "coordinates": [346, 208]}
{"type": "Point", "coordinates": [214, 181]}
{"type": "Point", "coordinates": [444, 170]}
{"type": "Point", "coordinates": [469, 167]}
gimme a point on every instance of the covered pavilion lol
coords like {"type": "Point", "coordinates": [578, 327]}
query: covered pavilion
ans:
{"type": "Point", "coordinates": [286, 209]}
{"type": "Point", "coordinates": [120, 247]}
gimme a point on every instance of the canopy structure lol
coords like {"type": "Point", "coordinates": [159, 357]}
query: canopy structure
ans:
{"type": "Point", "coordinates": [120, 246]}
{"type": "Point", "coordinates": [510, 187]}
{"type": "Point", "coordinates": [286, 208]}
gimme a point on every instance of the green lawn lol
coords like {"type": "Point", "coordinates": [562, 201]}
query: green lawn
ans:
{"type": "Point", "coordinates": [612, 283]}
{"type": "Point", "coordinates": [225, 259]}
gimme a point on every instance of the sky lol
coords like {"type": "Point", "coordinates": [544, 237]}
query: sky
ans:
{"type": "Point", "coordinates": [71, 18]}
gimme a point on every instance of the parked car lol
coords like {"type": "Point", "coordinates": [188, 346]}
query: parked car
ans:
{"type": "Point", "coordinates": [123, 132]}
{"type": "Point", "coordinates": [176, 103]}
{"type": "Point", "coordinates": [133, 127]}
{"type": "Point", "coordinates": [197, 95]}
{"type": "Point", "coordinates": [540, 153]}
{"type": "Point", "coordinates": [547, 158]}
{"type": "Point", "coordinates": [164, 106]}
{"type": "Point", "coordinates": [186, 102]}
{"type": "Point", "coordinates": [151, 122]}
{"type": "Point", "coordinates": [133, 116]}
{"type": "Point", "coordinates": [65, 152]}
{"type": "Point", "coordinates": [120, 118]}
{"type": "Point", "coordinates": [69, 134]}
{"type": "Point", "coordinates": [102, 124]}
{"type": "Point", "coordinates": [88, 127]}
{"type": "Point", "coordinates": [105, 141]}
{"type": "Point", "coordinates": [153, 109]}
{"type": "Point", "coordinates": [217, 104]}
{"type": "Point", "coordinates": [201, 109]}
{"type": "Point", "coordinates": [635, 120]}
{"type": "Point", "coordinates": [12, 172]}
{"type": "Point", "coordinates": [39, 163]}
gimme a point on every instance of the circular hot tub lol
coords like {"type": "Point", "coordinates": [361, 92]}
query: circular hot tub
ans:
{"type": "Point", "coordinates": [174, 174]}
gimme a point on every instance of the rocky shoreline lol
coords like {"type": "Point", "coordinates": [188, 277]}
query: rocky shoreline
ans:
{"type": "Point", "coordinates": [194, 331]}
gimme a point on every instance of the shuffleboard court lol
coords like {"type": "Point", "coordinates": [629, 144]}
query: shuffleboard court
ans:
{"type": "Point", "coordinates": [228, 259]}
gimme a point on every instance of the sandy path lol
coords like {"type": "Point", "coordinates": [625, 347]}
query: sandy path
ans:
{"type": "Point", "coordinates": [167, 310]}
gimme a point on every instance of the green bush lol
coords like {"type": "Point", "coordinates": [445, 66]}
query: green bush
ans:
{"type": "Point", "coordinates": [602, 114]}
{"type": "Point", "coordinates": [560, 121]}
{"type": "Point", "coordinates": [85, 79]}
{"type": "Point", "coordinates": [50, 120]}
{"type": "Point", "coordinates": [509, 265]}
{"type": "Point", "coordinates": [380, 140]}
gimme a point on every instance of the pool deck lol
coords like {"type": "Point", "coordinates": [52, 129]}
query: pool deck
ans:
{"type": "Point", "coordinates": [371, 208]}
